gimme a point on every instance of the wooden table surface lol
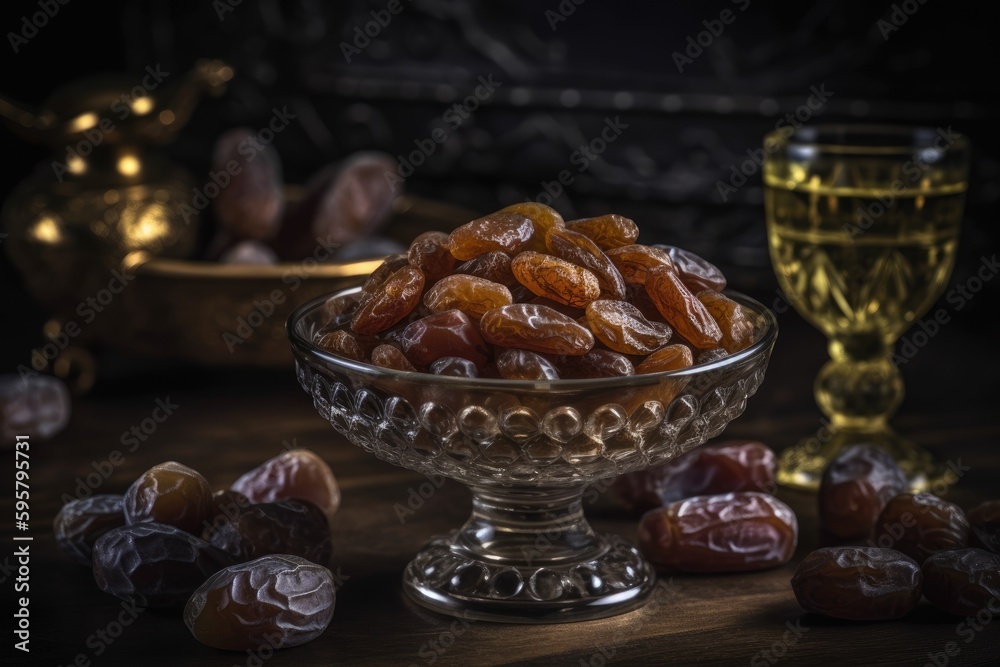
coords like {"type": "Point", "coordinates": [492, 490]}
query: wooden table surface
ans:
{"type": "Point", "coordinates": [226, 423]}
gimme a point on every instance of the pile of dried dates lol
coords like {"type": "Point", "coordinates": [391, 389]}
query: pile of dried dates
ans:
{"type": "Point", "coordinates": [343, 205]}
{"type": "Point", "coordinates": [521, 294]}
{"type": "Point", "coordinates": [712, 510]}
{"type": "Point", "coordinates": [918, 545]}
{"type": "Point", "coordinates": [247, 564]}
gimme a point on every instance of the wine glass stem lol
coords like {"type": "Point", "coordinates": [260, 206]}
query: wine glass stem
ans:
{"type": "Point", "coordinates": [860, 387]}
{"type": "Point", "coordinates": [529, 526]}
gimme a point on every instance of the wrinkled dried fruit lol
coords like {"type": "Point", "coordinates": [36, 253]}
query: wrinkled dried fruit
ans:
{"type": "Point", "coordinates": [985, 521]}
{"type": "Point", "coordinates": [291, 526]}
{"type": "Point", "coordinates": [737, 465]}
{"type": "Point", "coordinates": [153, 564]}
{"type": "Point", "coordinates": [708, 356]}
{"type": "Point", "coordinates": [343, 203]}
{"type": "Point", "coordinates": [543, 218]}
{"type": "Point", "coordinates": [858, 583]}
{"type": "Point", "coordinates": [623, 328]}
{"type": "Point", "coordinates": [635, 261]}
{"type": "Point", "coordinates": [389, 266]}
{"type": "Point", "coordinates": [429, 252]}
{"type": "Point", "coordinates": [448, 334]}
{"type": "Point", "coordinates": [251, 205]}
{"type": "Point", "coordinates": [341, 304]}
{"type": "Point", "coordinates": [36, 405]}
{"type": "Point", "coordinates": [681, 309]}
{"type": "Point", "coordinates": [594, 364]}
{"type": "Point", "coordinates": [734, 321]}
{"type": "Point", "coordinates": [172, 494]}
{"type": "Point", "coordinates": [469, 294]}
{"type": "Point", "coordinates": [80, 522]}
{"type": "Point", "coordinates": [921, 524]}
{"type": "Point", "coordinates": [535, 328]}
{"type": "Point", "coordinates": [493, 266]}
{"type": "Point", "coordinates": [555, 278]}
{"type": "Point", "coordinates": [669, 358]}
{"type": "Point", "coordinates": [454, 367]}
{"type": "Point", "coordinates": [269, 603]}
{"type": "Point", "coordinates": [855, 488]}
{"type": "Point", "coordinates": [298, 473]}
{"type": "Point", "coordinates": [695, 272]}
{"type": "Point", "coordinates": [730, 532]}
{"type": "Point", "coordinates": [580, 250]}
{"type": "Point", "coordinates": [342, 343]}
{"type": "Point", "coordinates": [503, 231]}
{"type": "Point", "coordinates": [607, 231]}
{"type": "Point", "coordinates": [391, 302]}
{"type": "Point", "coordinates": [525, 365]}
{"type": "Point", "coordinates": [226, 505]}
{"type": "Point", "coordinates": [388, 356]}
{"type": "Point", "coordinates": [963, 581]}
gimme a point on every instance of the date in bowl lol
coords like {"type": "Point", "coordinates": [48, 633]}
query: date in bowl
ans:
{"type": "Point", "coordinates": [528, 450]}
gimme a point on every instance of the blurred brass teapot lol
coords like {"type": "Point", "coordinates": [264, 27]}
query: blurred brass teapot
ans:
{"type": "Point", "coordinates": [106, 200]}
{"type": "Point", "coordinates": [104, 203]}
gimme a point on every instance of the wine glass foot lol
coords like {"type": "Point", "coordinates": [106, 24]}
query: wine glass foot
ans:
{"type": "Point", "coordinates": [801, 466]}
{"type": "Point", "coordinates": [448, 578]}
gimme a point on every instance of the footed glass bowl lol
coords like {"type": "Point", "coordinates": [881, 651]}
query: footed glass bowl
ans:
{"type": "Point", "coordinates": [528, 450]}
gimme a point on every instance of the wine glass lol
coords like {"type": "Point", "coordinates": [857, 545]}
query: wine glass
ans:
{"type": "Point", "coordinates": [862, 226]}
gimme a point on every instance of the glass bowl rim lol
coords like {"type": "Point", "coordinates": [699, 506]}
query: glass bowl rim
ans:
{"type": "Point", "coordinates": [809, 136]}
{"type": "Point", "coordinates": [305, 348]}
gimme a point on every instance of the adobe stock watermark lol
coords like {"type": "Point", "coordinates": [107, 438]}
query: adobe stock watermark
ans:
{"type": "Point", "coordinates": [452, 118]}
{"type": "Point", "coordinates": [663, 593]}
{"type": "Point", "coordinates": [776, 651]}
{"type": "Point", "coordinates": [930, 326]}
{"type": "Point", "coordinates": [431, 650]}
{"type": "Point", "coordinates": [95, 129]}
{"type": "Point", "coordinates": [30, 25]}
{"type": "Point", "coordinates": [787, 124]}
{"type": "Point", "coordinates": [248, 149]}
{"type": "Point", "coordinates": [561, 13]}
{"type": "Point", "coordinates": [264, 308]}
{"type": "Point", "coordinates": [899, 14]}
{"type": "Point", "coordinates": [131, 439]}
{"type": "Point", "coordinates": [88, 309]}
{"type": "Point", "coordinates": [967, 630]}
{"type": "Point", "coordinates": [914, 170]}
{"type": "Point", "coordinates": [582, 158]}
{"type": "Point", "coordinates": [381, 19]}
{"type": "Point", "coordinates": [101, 639]}
{"type": "Point", "coordinates": [696, 44]}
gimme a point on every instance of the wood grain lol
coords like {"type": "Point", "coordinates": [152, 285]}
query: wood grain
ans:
{"type": "Point", "coordinates": [226, 423]}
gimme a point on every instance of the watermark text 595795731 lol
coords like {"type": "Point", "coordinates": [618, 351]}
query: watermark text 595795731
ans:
{"type": "Point", "coordinates": [22, 551]}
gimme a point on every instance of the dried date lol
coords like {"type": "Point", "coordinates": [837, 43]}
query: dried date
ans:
{"type": "Point", "coordinates": [858, 583]}
{"type": "Point", "coordinates": [153, 564]}
{"type": "Point", "coordinates": [855, 488]}
{"type": "Point", "coordinates": [172, 494]}
{"type": "Point", "coordinates": [273, 602]}
{"type": "Point", "coordinates": [447, 334]}
{"type": "Point", "coordinates": [724, 467]}
{"type": "Point", "coordinates": [298, 473]}
{"type": "Point", "coordinates": [731, 532]}
{"type": "Point", "coordinates": [81, 522]}
{"type": "Point", "coordinates": [921, 524]}
{"type": "Point", "coordinates": [963, 581]}
{"type": "Point", "coordinates": [293, 526]}
{"type": "Point", "coordinates": [536, 328]}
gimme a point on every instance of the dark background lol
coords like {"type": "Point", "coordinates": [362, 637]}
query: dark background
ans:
{"type": "Point", "coordinates": [606, 60]}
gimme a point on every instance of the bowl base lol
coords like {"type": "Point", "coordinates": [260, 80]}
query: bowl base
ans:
{"type": "Point", "coordinates": [450, 579]}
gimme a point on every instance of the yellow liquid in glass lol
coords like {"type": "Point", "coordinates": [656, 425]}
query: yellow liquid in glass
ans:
{"type": "Point", "coordinates": [862, 260]}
